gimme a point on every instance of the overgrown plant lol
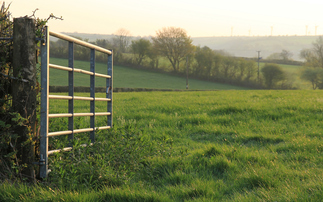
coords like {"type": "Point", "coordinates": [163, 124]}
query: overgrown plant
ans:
{"type": "Point", "coordinates": [10, 164]}
{"type": "Point", "coordinates": [112, 161]}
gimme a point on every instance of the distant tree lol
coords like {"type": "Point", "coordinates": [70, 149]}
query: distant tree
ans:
{"type": "Point", "coordinates": [272, 74]}
{"type": "Point", "coordinates": [288, 81]}
{"type": "Point", "coordinates": [318, 51]}
{"type": "Point", "coordinates": [251, 70]}
{"type": "Point", "coordinates": [204, 61]}
{"type": "Point", "coordinates": [242, 67]}
{"type": "Point", "coordinates": [274, 56]}
{"type": "Point", "coordinates": [308, 56]}
{"type": "Point", "coordinates": [121, 39]}
{"type": "Point", "coordinates": [314, 75]}
{"type": "Point", "coordinates": [217, 58]}
{"type": "Point", "coordinates": [314, 62]}
{"type": "Point", "coordinates": [286, 55]}
{"type": "Point", "coordinates": [80, 52]}
{"type": "Point", "coordinates": [59, 48]}
{"type": "Point", "coordinates": [314, 56]}
{"type": "Point", "coordinates": [154, 56]}
{"type": "Point", "coordinates": [140, 48]}
{"type": "Point", "coordinates": [174, 44]}
{"type": "Point", "coordinates": [228, 67]}
{"type": "Point", "coordinates": [104, 43]}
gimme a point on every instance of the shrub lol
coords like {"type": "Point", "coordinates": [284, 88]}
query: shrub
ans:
{"type": "Point", "coordinates": [272, 73]}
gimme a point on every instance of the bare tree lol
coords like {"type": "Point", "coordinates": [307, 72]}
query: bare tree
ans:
{"type": "Point", "coordinates": [318, 51]}
{"type": "Point", "coordinates": [121, 39]}
{"type": "Point", "coordinates": [314, 56]}
{"type": "Point", "coordinates": [174, 44]}
{"type": "Point", "coordinates": [286, 55]}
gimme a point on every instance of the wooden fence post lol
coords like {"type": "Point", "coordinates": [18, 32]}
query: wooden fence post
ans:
{"type": "Point", "coordinates": [25, 91]}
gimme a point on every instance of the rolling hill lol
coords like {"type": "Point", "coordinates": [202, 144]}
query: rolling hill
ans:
{"type": "Point", "coordinates": [240, 46]}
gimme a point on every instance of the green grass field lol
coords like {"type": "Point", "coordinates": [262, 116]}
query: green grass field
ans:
{"type": "Point", "coordinates": [191, 146]}
{"type": "Point", "coordinates": [131, 78]}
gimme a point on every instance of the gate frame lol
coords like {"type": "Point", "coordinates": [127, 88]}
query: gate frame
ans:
{"type": "Point", "coordinates": [44, 112]}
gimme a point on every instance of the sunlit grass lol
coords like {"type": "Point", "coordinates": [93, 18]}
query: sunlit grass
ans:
{"type": "Point", "coordinates": [204, 146]}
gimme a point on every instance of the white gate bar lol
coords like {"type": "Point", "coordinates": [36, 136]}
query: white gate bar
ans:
{"type": "Point", "coordinates": [80, 42]}
{"type": "Point", "coordinates": [78, 71]}
{"type": "Point", "coordinates": [61, 115]}
{"type": "Point", "coordinates": [59, 150]}
{"type": "Point", "coordinates": [66, 97]}
{"type": "Point", "coordinates": [65, 149]}
{"type": "Point", "coordinates": [103, 127]}
{"type": "Point", "coordinates": [67, 132]}
{"type": "Point", "coordinates": [102, 99]}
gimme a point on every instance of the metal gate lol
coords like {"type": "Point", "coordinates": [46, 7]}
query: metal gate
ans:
{"type": "Point", "coordinates": [45, 96]}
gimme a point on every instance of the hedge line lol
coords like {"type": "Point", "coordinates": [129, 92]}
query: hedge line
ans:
{"type": "Point", "coordinates": [82, 89]}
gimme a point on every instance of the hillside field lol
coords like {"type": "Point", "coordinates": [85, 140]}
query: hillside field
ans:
{"type": "Point", "coordinates": [190, 146]}
{"type": "Point", "coordinates": [125, 77]}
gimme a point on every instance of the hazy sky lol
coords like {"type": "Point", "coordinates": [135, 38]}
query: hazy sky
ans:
{"type": "Point", "coordinates": [198, 17]}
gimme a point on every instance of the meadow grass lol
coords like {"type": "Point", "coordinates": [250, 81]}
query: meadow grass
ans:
{"type": "Point", "coordinates": [199, 146]}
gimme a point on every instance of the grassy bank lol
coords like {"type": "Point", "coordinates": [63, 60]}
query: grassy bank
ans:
{"type": "Point", "coordinates": [201, 146]}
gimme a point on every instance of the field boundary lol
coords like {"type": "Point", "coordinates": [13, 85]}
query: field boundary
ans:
{"type": "Point", "coordinates": [81, 89]}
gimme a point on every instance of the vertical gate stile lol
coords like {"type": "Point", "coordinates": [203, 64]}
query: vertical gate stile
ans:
{"type": "Point", "coordinates": [92, 94]}
{"type": "Point", "coordinates": [43, 161]}
{"type": "Point", "coordinates": [109, 85]}
{"type": "Point", "coordinates": [71, 91]}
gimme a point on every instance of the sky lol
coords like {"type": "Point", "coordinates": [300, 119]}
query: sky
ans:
{"type": "Point", "coordinates": [200, 18]}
